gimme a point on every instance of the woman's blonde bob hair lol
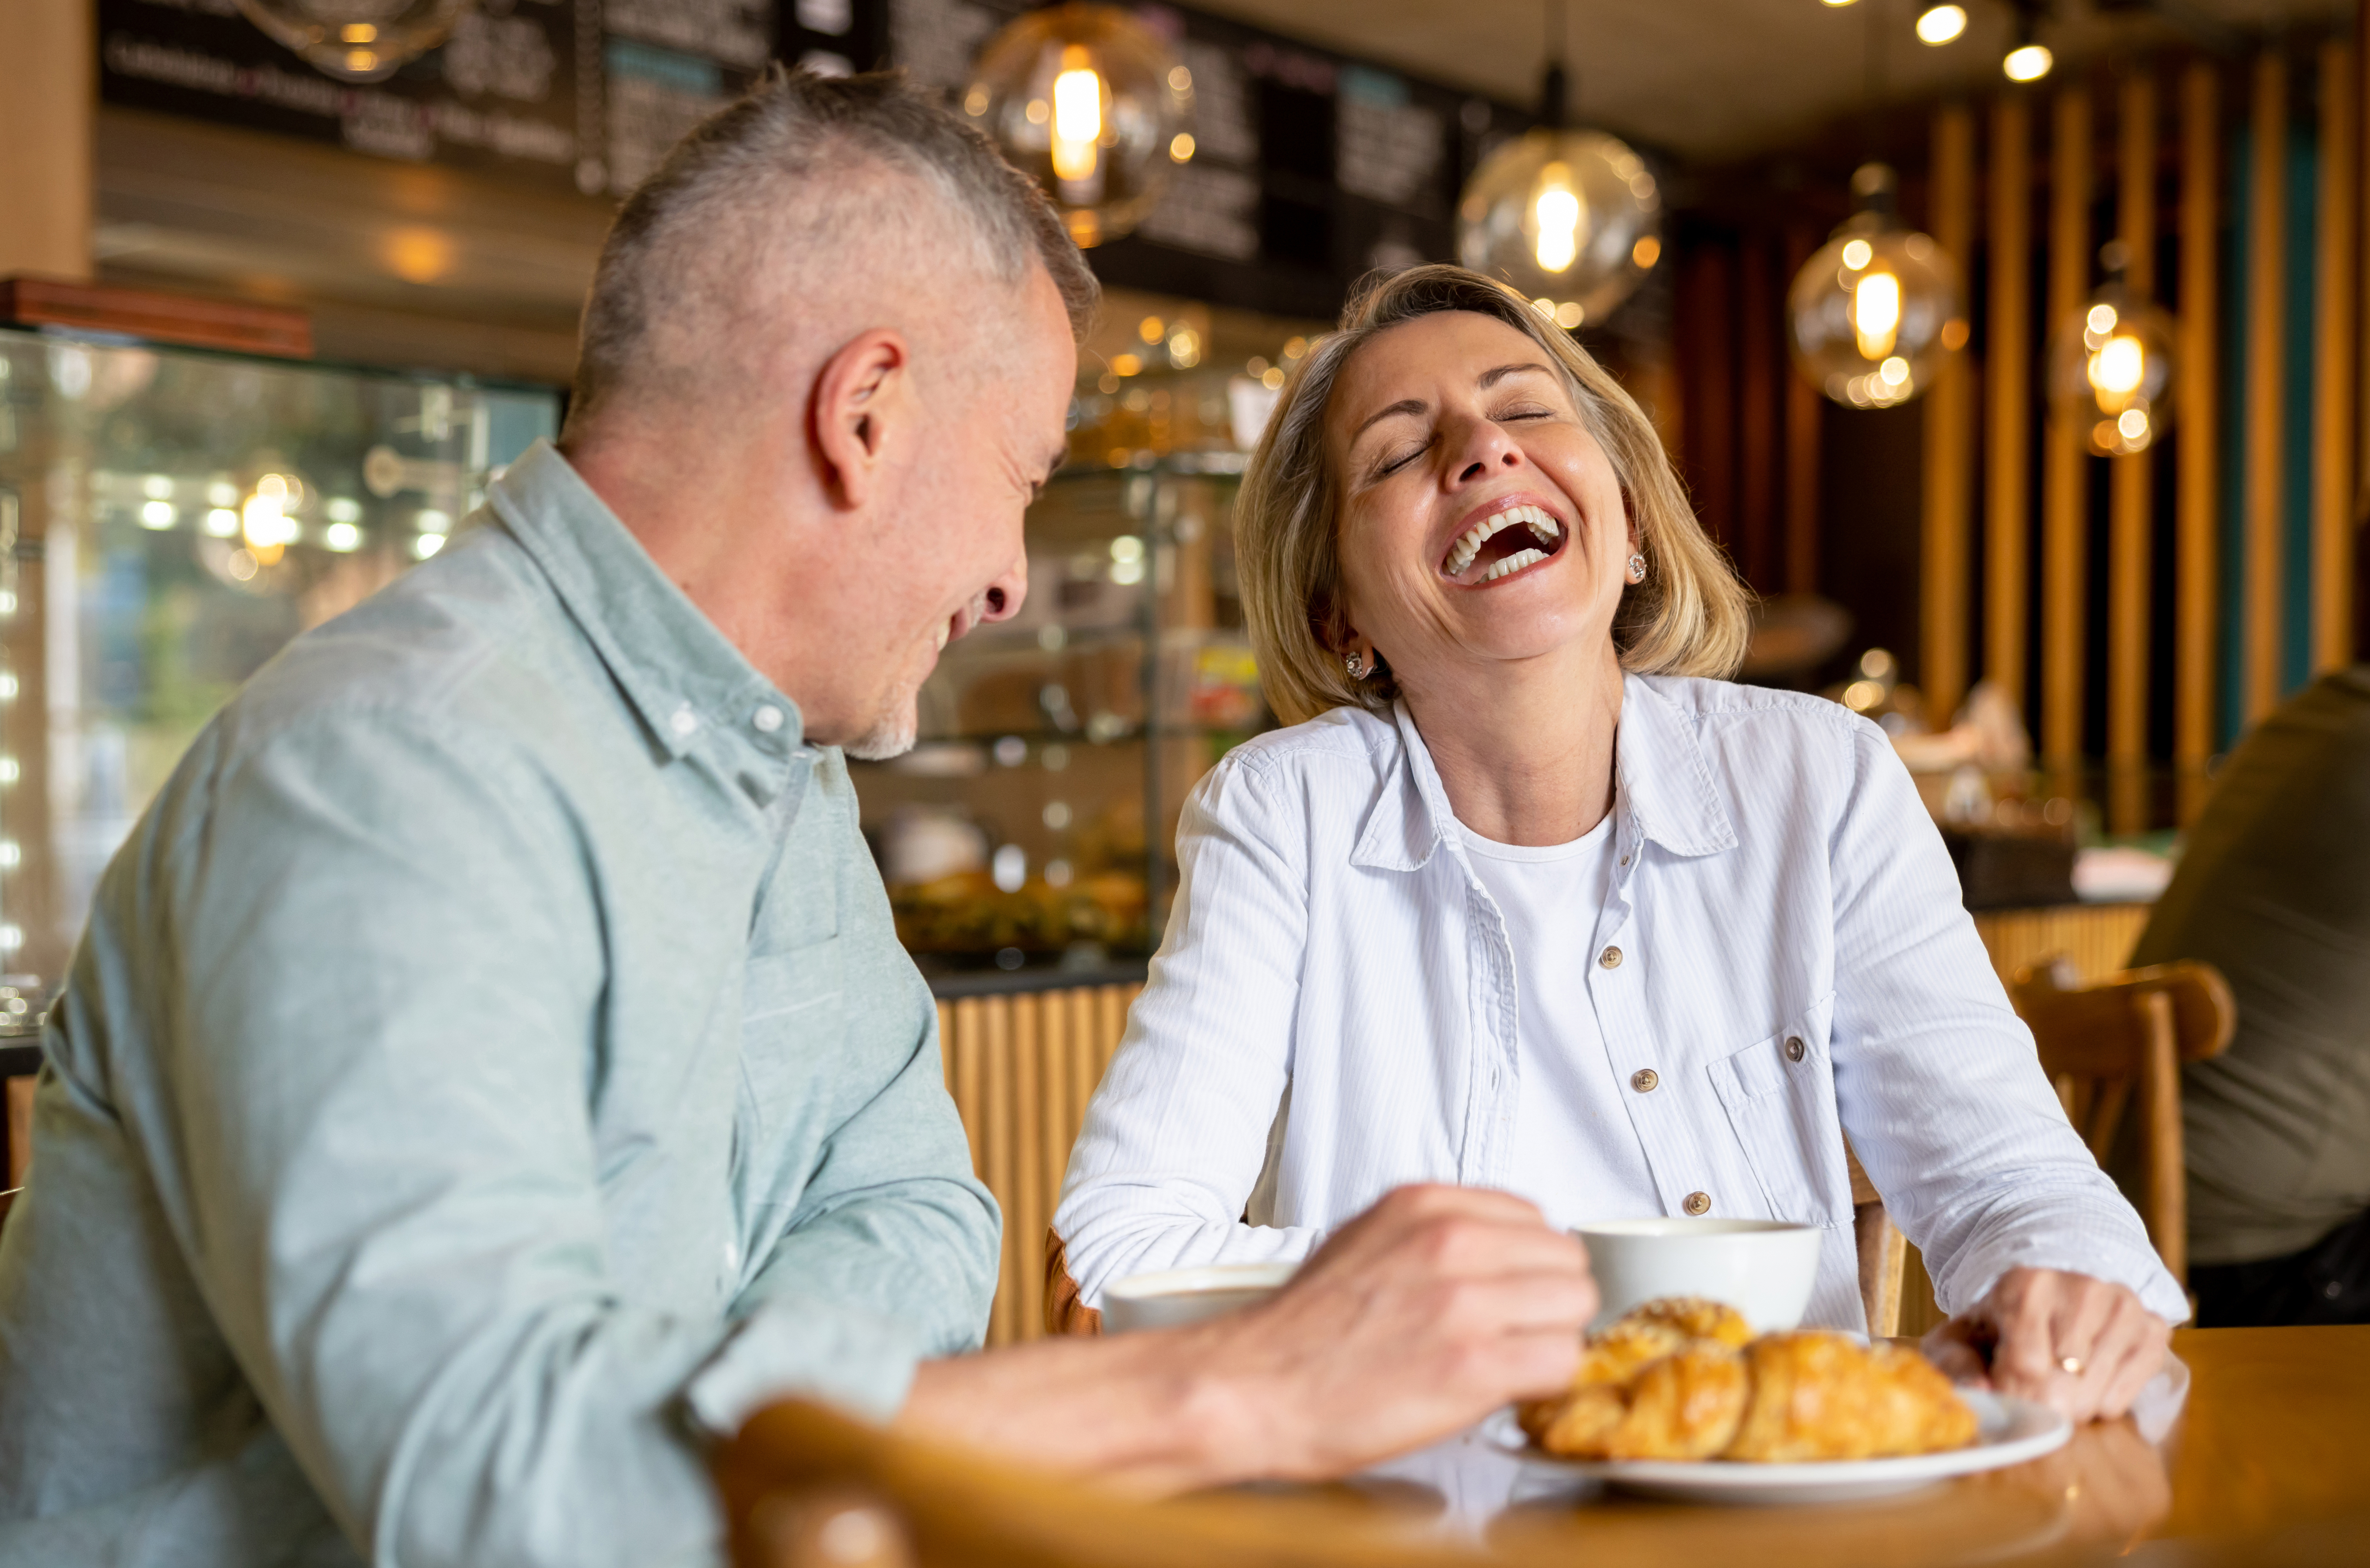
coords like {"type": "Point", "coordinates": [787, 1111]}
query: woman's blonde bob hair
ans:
{"type": "Point", "coordinates": [1690, 617]}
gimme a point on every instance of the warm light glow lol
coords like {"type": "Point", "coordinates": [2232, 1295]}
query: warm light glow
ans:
{"type": "Point", "coordinates": [427, 545]}
{"type": "Point", "coordinates": [221, 523]}
{"type": "Point", "coordinates": [1184, 348]}
{"type": "Point", "coordinates": [1556, 211]}
{"type": "Point", "coordinates": [1271, 378]}
{"type": "Point", "coordinates": [1940, 24]}
{"type": "Point", "coordinates": [1893, 371]}
{"type": "Point", "coordinates": [1876, 314]}
{"type": "Point", "coordinates": [2120, 367]}
{"type": "Point", "coordinates": [358, 32]}
{"type": "Point", "coordinates": [1180, 80]}
{"type": "Point", "coordinates": [2133, 426]}
{"type": "Point", "coordinates": [1646, 252]}
{"type": "Point", "coordinates": [1125, 364]}
{"type": "Point", "coordinates": [342, 537]}
{"type": "Point", "coordinates": [361, 61]}
{"type": "Point", "coordinates": [976, 102]}
{"type": "Point", "coordinates": [157, 514]}
{"type": "Point", "coordinates": [156, 487]}
{"type": "Point", "coordinates": [1151, 329]}
{"type": "Point", "coordinates": [1180, 147]}
{"type": "Point", "coordinates": [1857, 254]}
{"type": "Point", "coordinates": [1569, 314]}
{"type": "Point", "coordinates": [263, 519]}
{"type": "Point", "coordinates": [1078, 114]}
{"type": "Point", "coordinates": [2028, 63]}
{"type": "Point", "coordinates": [420, 256]}
{"type": "Point", "coordinates": [2101, 318]}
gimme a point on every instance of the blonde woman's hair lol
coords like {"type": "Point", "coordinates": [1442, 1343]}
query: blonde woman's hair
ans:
{"type": "Point", "coordinates": [1690, 617]}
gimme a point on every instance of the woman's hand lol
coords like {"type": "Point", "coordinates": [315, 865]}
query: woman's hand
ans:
{"type": "Point", "coordinates": [2079, 1345]}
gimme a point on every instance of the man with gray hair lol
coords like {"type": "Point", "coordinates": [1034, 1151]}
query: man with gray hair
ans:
{"type": "Point", "coordinates": [491, 1071]}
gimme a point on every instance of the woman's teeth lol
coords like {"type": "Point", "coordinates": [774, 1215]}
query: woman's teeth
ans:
{"type": "Point", "coordinates": [1513, 564]}
{"type": "Point", "coordinates": [1536, 518]}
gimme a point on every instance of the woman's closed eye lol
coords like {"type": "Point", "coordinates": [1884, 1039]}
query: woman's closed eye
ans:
{"type": "Point", "coordinates": [1399, 458]}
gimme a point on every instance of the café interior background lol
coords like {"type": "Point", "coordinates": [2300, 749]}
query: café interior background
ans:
{"type": "Point", "coordinates": [439, 226]}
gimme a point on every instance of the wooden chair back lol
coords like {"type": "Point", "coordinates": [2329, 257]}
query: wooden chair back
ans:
{"type": "Point", "coordinates": [1883, 1251]}
{"type": "Point", "coordinates": [805, 1487]}
{"type": "Point", "coordinates": [2123, 1037]}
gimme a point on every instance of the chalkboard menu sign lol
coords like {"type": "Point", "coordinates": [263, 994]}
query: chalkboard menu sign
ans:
{"type": "Point", "coordinates": [1310, 168]}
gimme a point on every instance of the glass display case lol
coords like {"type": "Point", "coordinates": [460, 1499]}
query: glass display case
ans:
{"type": "Point", "coordinates": [169, 518]}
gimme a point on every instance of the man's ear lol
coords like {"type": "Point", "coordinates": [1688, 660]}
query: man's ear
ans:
{"type": "Point", "coordinates": [863, 414]}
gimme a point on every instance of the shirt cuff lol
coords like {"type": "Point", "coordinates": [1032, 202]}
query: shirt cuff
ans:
{"type": "Point", "coordinates": [2142, 1274]}
{"type": "Point", "coordinates": [799, 1348]}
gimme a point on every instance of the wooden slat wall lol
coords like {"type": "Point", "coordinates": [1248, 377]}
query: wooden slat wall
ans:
{"type": "Point", "coordinates": [2197, 576]}
{"type": "Point", "coordinates": [2266, 384]}
{"type": "Point", "coordinates": [2248, 639]}
{"type": "Point", "coordinates": [2333, 458]}
{"type": "Point", "coordinates": [1021, 1068]}
{"type": "Point", "coordinates": [1803, 409]}
{"type": "Point", "coordinates": [2064, 534]}
{"type": "Point", "coordinates": [2131, 494]}
{"type": "Point", "coordinates": [1949, 437]}
{"type": "Point", "coordinates": [2008, 373]}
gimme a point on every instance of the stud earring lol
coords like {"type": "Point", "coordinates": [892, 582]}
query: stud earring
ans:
{"type": "Point", "coordinates": [1637, 568]}
{"type": "Point", "coordinates": [1355, 666]}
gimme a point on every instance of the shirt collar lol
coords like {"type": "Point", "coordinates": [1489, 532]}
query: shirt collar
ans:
{"type": "Point", "coordinates": [1667, 793]}
{"type": "Point", "coordinates": [682, 675]}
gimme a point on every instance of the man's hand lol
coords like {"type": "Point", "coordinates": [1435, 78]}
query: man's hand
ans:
{"type": "Point", "coordinates": [2080, 1344]}
{"type": "Point", "coordinates": [1433, 1307]}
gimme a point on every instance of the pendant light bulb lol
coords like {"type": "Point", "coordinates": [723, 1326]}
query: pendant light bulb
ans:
{"type": "Point", "coordinates": [1877, 312]}
{"type": "Point", "coordinates": [1938, 25]}
{"type": "Point", "coordinates": [1091, 104]}
{"type": "Point", "coordinates": [2111, 365]}
{"type": "Point", "coordinates": [356, 43]}
{"type": "Point", "coordinates": [1571, 218]}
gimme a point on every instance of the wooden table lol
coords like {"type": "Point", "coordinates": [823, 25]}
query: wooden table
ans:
{"type": "Point", "coordinates": [2270, 1464]}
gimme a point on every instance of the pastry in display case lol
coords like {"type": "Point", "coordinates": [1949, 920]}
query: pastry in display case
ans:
{"type": "Point", "coordinates": [1034, 823]}
{"type": "Point", "coordinates": [169, 518]}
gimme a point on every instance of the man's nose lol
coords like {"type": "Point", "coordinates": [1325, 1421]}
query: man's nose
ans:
{"type": "Point", "coordinates": [1004, 596]}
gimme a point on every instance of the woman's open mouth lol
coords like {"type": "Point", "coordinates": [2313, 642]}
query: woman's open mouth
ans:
{"type": "Point", "coordinates": [1508, 542]}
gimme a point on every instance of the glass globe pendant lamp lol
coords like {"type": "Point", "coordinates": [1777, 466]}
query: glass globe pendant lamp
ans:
{"type": "Point", "coordinates": [1572, 218]}
{"type": "Point", "coordinates": [1092, 106]}
{"type": "Point", "coordinates": [2111, 365]}
{"type": "Point", "coordinates": [1877, 312]}
{"type": "Point", "coordinates": [356, 41]}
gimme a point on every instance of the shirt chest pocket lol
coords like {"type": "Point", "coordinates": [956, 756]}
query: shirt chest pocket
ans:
{"type": "Point", "coordinates": [792, 1006]}
{"type": "Point", "coordinates": [1780, 1099]}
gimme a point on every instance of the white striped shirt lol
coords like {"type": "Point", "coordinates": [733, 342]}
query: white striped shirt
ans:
{"type": "Point", "coordinates": [1334, 1011]}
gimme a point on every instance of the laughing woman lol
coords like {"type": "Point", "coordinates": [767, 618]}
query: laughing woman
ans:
{"type": "Point", "coordinates": [1530, 897]}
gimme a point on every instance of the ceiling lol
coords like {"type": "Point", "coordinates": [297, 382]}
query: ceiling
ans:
{"type": "Point", "coordinates": [1713, 80]}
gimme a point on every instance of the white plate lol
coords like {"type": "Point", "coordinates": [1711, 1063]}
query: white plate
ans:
{"type": "Point", "coordinates": [2009, 1431]}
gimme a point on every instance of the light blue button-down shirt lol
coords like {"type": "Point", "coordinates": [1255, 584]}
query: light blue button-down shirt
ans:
{"type": "Point", "coordinates": [1335, 1010]}
{"type": "Point", "coordinates": [491, 1063]}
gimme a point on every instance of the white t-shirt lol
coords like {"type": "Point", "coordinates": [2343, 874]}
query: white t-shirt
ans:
{"type": "Point", "coordinates": [1576, 1155]}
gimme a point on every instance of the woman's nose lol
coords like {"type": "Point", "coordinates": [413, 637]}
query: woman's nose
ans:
{"type": "Point", "coordinates": [1483, 448]}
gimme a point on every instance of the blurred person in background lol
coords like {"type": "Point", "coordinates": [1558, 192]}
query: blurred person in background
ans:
{"type": "Point", "coordinates": [2274, 889]}
{"type": "Point", "coordinates": [489, 1070]}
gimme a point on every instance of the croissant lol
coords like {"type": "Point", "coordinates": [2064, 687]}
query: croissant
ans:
{"type": "Point", "coordinates": [1649, 1388]}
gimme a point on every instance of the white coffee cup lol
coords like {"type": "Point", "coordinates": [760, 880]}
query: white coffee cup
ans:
{"type": "Point", "coordinates": [1764, 1268]}
{"type": "Point", "coordinates": [1170, 1297]}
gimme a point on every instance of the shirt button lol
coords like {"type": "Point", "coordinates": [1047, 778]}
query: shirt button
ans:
{"type": "Point", "coordinates": [1644, 1079]}
{"type": "Point", "coordinates": [1794, 1048]}
{"type": "Point", "coordinates": [1625, 860]}
{"type": "Point", "coordinates": [767, 718]}
{"type": "Point", "coordinates": [1698, 1203]}
{"type": "Point", "coordinates": [683, 722]}
{"type": "Point", "coordinates": [1610, 958]}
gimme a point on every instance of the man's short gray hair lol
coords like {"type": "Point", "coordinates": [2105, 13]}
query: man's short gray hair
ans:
{"type": "Point", "coordinates": [789, 172]}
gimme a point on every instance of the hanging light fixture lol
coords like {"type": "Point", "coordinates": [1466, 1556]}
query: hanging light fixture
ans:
{"type": "Point", "coordinates": [356, 41]}
{"type": "Point", "coordinates": [1569, 217]}
{"type": "Point", "coordinates": [1086, 100]}
{"type": "Point", "coordinates": [1878, 310]}
{"type": "Point", "coordinates": [2027, 59]}
{"type": "Point", "coordinates": [1938, 25]}
{"type": "Point", "coordinates": [2111, 364]}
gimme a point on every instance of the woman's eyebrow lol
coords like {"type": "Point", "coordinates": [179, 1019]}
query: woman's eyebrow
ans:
{"type": "Point", "coordinates": [1410, 406]}
{"type": "Point", "coordinates": [1491, 378]}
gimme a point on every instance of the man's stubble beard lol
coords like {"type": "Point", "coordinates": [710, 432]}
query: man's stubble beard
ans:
{"type": "Point", "coordinates": [892, 734]}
